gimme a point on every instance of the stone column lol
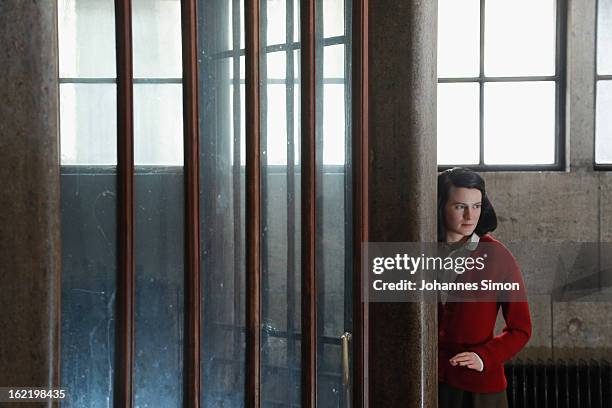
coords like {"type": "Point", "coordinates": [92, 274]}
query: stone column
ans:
{"type": "Point", "coordinates": [403, 83]}
{"type": "Point", "coordinates": [29, 194]}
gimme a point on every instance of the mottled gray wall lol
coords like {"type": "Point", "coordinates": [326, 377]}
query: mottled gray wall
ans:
{"type": "Point", "coordinates": [29, 196]}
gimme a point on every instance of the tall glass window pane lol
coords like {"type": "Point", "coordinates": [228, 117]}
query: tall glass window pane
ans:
{"type": "Point", "coordinates": [159, 204]}
{"type": "Point", "coordinates": [88, 124]}
{"type": "Point", "coordinates": [333, 17]}
{"type": "Point", "coordinates": [89, 267]}
{"type": "Point", "coordinates": [88, 157]}
{"type": "Point", "coordinates": [603, 123]}
{"type": "Point", "coordinates": [333, 249]}
{"type": "Point", "coordinates": [334, 61]}
{"type": "Point", "coordinates": [222, 201]}
{"type": "Point", "coordinates": [281, 300]}
{"type": "Point", "coordinates": [458, 124]}
{"type": "Point", "coordinates": [519, 123]}
{"type": "Point", "coordinates": [86, 31]}
{"type": "Point", "coordinates": [334, 124]}
{"type": "Point", "coordinates": [158, 124]}
{"type": "Point", "coordinates": [467, 118]}
{"type": "Point", "coordinates": [275, 11]}
{"type": "Point", "coordinates": [156, 28]}
{"type": "Point", "coordinates": [604, 37]}
{"type": "Point", "coordinates": [530, 50]}
{"type": "Point", "coordinates": [276, 151]}
{"type": "Point", "coordinates": [458, 38]}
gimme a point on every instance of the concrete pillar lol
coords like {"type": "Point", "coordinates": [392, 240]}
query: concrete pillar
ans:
{"type": "Point", "coordinates": [29, 194]}
{"type": "Point", "coordinates": [403, 82]}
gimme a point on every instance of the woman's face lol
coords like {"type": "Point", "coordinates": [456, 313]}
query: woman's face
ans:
{"type": "Point", "coordinates": [462, 212]}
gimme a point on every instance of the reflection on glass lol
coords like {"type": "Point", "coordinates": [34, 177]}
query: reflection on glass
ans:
{"type": "Point", "coordinates": [88, 124]}
{"type": "Point", "coordinates": [604, 37]}
{"type": "Point", "coordinates": [159, 315]}
{"type": "Point", "coordinates": [88, 200]}
{"type": "Point", "coordinates": [89, 259]}
{"type": "Point", "coordinates": [242, 147]}
{"type": "Point", "coordinates": [158, 124]}
{"type": "Point", "coordinates": [159, 204]}
{"type": "Point", "coordinates": [458, 38]}
{"type": "Point", "coordinates": [603, 125]}
{"type": "Point", "coordinates": [530, 50]}
{"type": "Point", "coordinates": [156, 27]}
{"type": "Point", "coordinates": [519, 123]}
{"type": "Point", "coordinates": [333, 211]}
{"type": "Point", "coordinates": [458, 123]}
{"type": "Point", "coordinates": [222, 202]}
{"type": "Point", "coordinates": [280, 351]}
{"type": "Point", "coordinates": [297, 124]}
{"type": "Point", "coordinates": [86, 33]}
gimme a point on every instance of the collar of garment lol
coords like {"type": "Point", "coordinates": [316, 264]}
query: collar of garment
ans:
{"type": "Point", "coordinates": [470, 245]}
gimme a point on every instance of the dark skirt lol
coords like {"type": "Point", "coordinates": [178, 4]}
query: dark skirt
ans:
{"type": "Point", "coordinates": [450, 397]}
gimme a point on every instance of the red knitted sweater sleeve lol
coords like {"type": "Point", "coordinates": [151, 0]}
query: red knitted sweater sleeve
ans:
{"type": "Point", "coordinates": [517, 330]}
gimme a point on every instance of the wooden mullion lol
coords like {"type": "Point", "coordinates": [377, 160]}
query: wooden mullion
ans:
{"type": "Point", "coordinates": [124, 324]}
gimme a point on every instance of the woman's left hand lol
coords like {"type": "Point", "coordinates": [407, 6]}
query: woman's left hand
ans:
{"type": "Point", "coordinates": [467, 359]}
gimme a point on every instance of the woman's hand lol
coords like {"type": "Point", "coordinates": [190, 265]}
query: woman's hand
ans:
{"type": "Point", "coordinates": [467, 359]}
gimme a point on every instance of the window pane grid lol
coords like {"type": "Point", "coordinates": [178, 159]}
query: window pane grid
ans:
{"type": "Point", "coordinates": [603, 86]}
{"type": "Point", "coordinates": [489, 76]}
{"type": "Point", "coordinates": [277, 59]}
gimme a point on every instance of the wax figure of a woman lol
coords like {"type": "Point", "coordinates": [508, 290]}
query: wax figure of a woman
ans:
{"type": "Point", "coordinates": [470, 357]}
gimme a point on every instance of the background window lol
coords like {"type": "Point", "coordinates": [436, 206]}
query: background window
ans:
{"type": "Point", "coordinates": [499, 88]}
{"type": "Point", "coordinates": [603, 122]}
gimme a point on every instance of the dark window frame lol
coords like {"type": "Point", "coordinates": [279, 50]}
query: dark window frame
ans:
{"type": "Point", "coordinates": [560, 80]}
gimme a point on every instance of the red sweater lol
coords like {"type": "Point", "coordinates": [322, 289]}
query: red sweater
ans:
{"type": "Point", "coordinates": [469, 326]}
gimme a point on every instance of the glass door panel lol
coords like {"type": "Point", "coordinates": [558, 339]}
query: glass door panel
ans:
{"type": "Point", "coordinates": [222, 201]}
{"type": "Point", "coordinates": [334, 243]}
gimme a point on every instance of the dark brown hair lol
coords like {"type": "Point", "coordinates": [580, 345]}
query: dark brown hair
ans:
{"type": "Point", "coordinates": [462, 177]}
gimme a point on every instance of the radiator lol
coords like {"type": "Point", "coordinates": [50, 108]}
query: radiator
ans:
{"type": "Point", "coordinates": [559, 384]}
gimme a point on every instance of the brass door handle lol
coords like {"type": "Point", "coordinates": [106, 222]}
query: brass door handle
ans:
{"type": "Point", "coordinates": [346, 367]}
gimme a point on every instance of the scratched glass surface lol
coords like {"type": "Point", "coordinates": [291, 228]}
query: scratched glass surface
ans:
{"type": "Point", "coordinates": [281, 301]}
{"type": "Point", "coordinates": [333, 183]}
{"type": "Point", "coordinates": [88, 200]}
{"type": "Point", "coordinates": [159, 246]}
{"type": "Point", "coordinates": [159, 205]}
{"type": "Point", "coordinates": [89, 259]}
{"type": "Point", "coordinates": [222, 195]}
